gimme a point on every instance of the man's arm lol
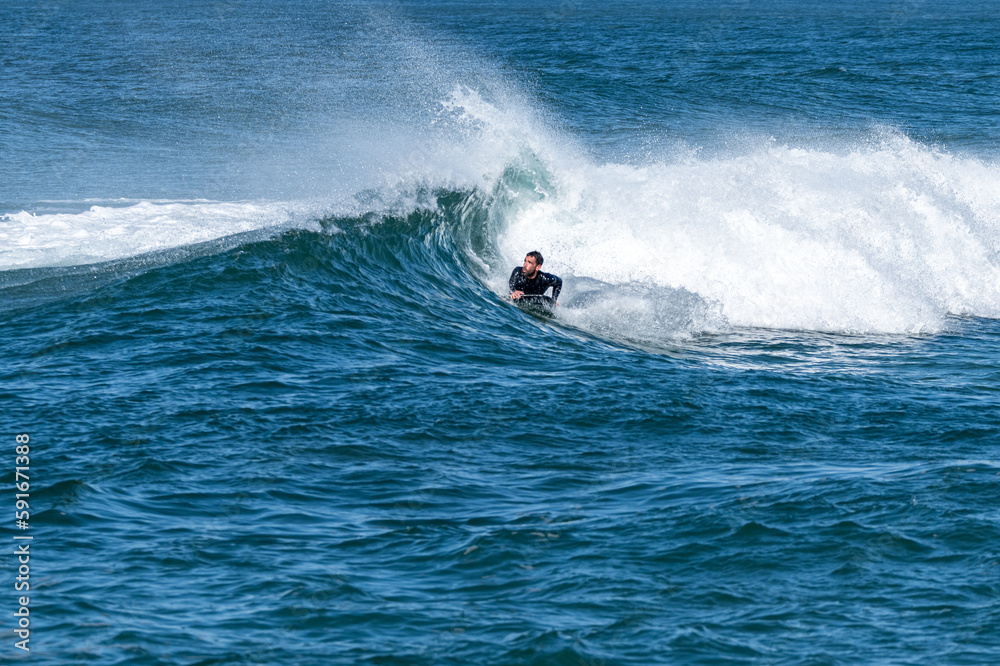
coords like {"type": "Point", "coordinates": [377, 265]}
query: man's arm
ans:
{"type": "Point", "coordinates": [556, 284]}
{"type": "Point", "coordinates": [515, 277]}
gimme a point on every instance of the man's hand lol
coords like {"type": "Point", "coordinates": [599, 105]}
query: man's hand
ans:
{"type": "Point", "coordinates": [516, 294]}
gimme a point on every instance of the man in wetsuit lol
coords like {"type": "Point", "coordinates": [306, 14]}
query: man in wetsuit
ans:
{"type": "Point", "coordinates": [530, 281]}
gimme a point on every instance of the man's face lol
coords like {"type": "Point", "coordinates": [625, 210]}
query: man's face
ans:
{"type": "Point", "coordinates": [530, 267]}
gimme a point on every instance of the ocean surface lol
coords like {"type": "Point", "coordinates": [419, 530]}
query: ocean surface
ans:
{"type": "Point", "coordinates": [253, 267]}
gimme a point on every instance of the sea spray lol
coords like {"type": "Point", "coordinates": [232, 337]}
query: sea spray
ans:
{"type": "Point", "coordinates": [888, 237]}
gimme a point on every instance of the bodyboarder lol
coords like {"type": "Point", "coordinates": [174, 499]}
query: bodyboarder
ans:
{"type": "Point", "coordinates": [528, 283]}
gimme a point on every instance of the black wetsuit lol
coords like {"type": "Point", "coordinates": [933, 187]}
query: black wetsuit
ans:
{"type": "Point", "coordinates": [536, 285]}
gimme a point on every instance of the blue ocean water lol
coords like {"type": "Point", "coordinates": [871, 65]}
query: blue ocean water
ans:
{"type": "Point", "coordinates": [253, 265]}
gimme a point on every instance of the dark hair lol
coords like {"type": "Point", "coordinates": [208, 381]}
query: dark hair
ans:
{"type": "Point", "coordinates": [537, 256]}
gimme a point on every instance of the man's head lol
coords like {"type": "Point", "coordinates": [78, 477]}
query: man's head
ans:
{"type": "Point", "coordinates": [532, 263]}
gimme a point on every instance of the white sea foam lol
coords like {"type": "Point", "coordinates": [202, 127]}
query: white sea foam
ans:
{"type": "Point", "coordinates": [888, 236]}
{"type": "Point", "coordinates": [109, 232]}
